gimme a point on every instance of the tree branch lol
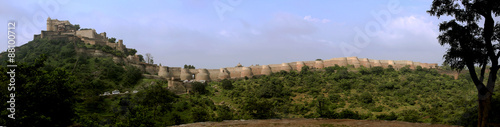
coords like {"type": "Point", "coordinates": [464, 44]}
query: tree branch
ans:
{"type": "Point", "coordinates": [473, 75]}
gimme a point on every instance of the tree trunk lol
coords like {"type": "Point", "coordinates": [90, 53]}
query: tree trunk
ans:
{"type": "Point", "coordinates": [483, 111]}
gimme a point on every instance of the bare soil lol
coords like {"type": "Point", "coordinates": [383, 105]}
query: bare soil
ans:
{"type": "Point", "coordinates": [302, 122]}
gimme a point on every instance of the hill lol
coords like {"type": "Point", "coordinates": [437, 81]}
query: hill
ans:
{"type": "Point", "coordinates": [57, 70]}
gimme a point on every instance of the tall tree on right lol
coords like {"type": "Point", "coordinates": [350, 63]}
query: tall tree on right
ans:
{"type": "Point", "coordinates": [471, 44]}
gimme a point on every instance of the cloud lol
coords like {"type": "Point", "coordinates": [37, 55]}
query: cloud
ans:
{"type": "Point", "coordinates": [406, 38]}
{"type": "Point", "coordinates": [407, 31]}
{"type": "Point", "coordinates": [309, 18]}
{"type": "Point", "coordinates": [285, 24]}
{"type": "Point", "coordinates": [255, 32]}
{"type": "Point", "coordinates": [223, 33]}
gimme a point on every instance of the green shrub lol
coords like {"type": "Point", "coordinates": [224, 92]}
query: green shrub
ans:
{"type": "Point", "coordinates": [409, 116]}
{"type": "Point", "coordinates": [348, 114]}
{"type": "Point", "coordinates": [377, 109]}
{"type": "Point", "coordinates": [199, 114]}
{"type": "Point", "coordinates": [390, 116]}
{"type": "Point", "coordinates": [377, 70]}
{"type": "Point", "coordinates": [198, 88]}
{"type": "Point", "coordinates": [227, 85]}
{"type": "Point", "coordinates": [366, 98]}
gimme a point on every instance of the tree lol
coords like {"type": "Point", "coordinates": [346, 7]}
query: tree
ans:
{"type": "Point", "coordinates": [445, 66]}
{"type": "Point", "coordinates": [149, 58]}
{"type": "Point", "coordinates": [77, 26]}
{"type": "Point", "coordinates": [112, 40]}
{"type": "Point", "coordinates": [43, 97]}
{"type": "Point", "coordinates": [198, 88]}
{"type": "Point", "coordinates": [141, 58]}
{"type": "Point", "coordinates": [131, 52]}
{"type": "Point", "coordinates": [227, 85]}
{"type": "Point", "coordinates": [189, 66]}
{"type": "Point", "coordinates": [304, 70]}
{"type": "Point", "coordinates": [471, 44]}
{"type": "Point", "coordinates": [158, 96]}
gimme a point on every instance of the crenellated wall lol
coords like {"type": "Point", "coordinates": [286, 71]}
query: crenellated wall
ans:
{"type": "Point", "coordinates": [240, 72]}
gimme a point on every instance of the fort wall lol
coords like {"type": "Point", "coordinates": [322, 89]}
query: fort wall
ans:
{"type": "Point", "coordinates": [241, 72]}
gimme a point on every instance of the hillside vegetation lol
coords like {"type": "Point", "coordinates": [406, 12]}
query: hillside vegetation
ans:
{"type": "Point", "coordinates": [57, 86]}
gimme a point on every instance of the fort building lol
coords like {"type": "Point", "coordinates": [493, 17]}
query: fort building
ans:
{"type": "Point", "coordinates": [63, 29]}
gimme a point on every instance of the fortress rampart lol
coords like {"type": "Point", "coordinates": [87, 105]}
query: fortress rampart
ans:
{"type": "Point", "coordinates": [240, 72]}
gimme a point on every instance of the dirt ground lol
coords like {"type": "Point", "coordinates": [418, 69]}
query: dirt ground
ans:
{"type": "Point", "coordinates": [310, 123]}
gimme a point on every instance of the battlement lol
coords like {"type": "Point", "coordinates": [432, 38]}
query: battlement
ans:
{"type": "Point", "coordinates": [241, 71]}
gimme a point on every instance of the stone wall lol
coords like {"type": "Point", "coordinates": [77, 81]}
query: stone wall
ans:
{"type": "Point", "coordinates": [240, 72]}
{"type": "Point", "coordinates": [56, 25]}
{"type": "Point", "coordinates": [89, 33]}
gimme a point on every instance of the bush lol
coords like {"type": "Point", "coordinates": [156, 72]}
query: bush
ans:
{"type": "Point", "coordinates": [378, 109]}
{"type": "Point", "coordinates": [390, 68]}
{"type": "Point", "coordinates": [345, 84]}
{"type": "Point", "coordinates": [224, 113]}
{"type": "Point", "coordinates": [226, 84]}
{"type": "Point", "coordinates": [330, 70]}
{"type": "Point", "coordinates": [199, 114]}
{"type": "Point", "coordinates": [348, 114]}
{"type": "Point", "coordinates": [259, 108]}
{"type": "Point", "coordinates": [198, 88]}
{"type": "Point", "coordinates": [366, 98]}
{"type": "Point", "coordinates": [377, 70]}
{"type": "Point", "coordinates": [305, 69]}
{"type": "Point", "coordinates": [386, 86]}
{"type": "Point", "coordinates": [409, 116]}
{"type": "Point", "coordinates": [405, 69]}
{"type": "Point", "coordinates": [268, 90]}
{"type": "Point", "coordinates": [334, 98]}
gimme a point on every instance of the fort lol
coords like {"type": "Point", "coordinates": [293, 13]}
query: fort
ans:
{"type": "Point", "coordinates": [64, 29]}
{"type": "Point", "coordinates": [178, 73]}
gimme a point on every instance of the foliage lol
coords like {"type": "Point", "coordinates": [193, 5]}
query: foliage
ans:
{"type": "Point", "coordinates": [198, 88]}
{"type": "Point", "coordinates": [112, 40]}
{"type": "Point", "coordinates": [390, 116]}
{"type": "Point", "coordinates": [189, 66]}
{"type": "Point", "coordinates": [141, 58]}
{"type": "Point", "coordinates": [470, 44]}
{"type": "Point", "coordinates": [226, 84]}
{"type": "Point", "coordinates": [43, 97]}
{"type": "Point", "coordinates": [131, 52]}
{"type": "Point", "coordinates": [77, 26]}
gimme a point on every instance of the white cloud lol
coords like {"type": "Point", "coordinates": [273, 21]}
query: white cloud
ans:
{"type": "Point", "coordinates": [405, 38]}
{"type": "Point", "coordinates": [255, 32]}
{"type": "Point", "coordinates": [410, 30]}
{"type": "Point", "coordinates": [311, 19]}
{"type": "Point", "coordinates": [223, 33]}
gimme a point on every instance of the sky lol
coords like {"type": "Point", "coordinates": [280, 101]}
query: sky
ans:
{"type": "Point", "coordinates": [222, 33]}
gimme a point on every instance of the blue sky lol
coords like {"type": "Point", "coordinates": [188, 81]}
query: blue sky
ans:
{"type": "Point", "coordinates": [223, 33]}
